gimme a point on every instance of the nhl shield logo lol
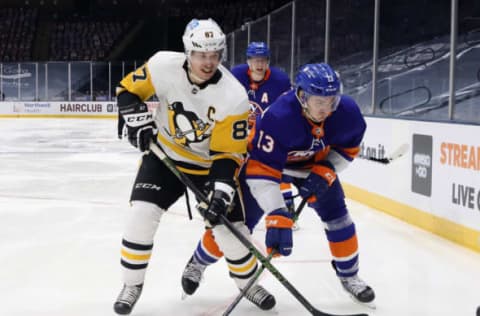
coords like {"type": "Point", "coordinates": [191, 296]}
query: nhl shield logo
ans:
{"type": "Point", "coordinates": [317, 131]}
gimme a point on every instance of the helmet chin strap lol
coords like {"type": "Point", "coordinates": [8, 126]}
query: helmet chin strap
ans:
{"type": "Point", "coordinates": [303, 103]}
{"type": "Point", "coordinates": [309, 116]}
{"type": "Point", "coordinates": [192, 76]}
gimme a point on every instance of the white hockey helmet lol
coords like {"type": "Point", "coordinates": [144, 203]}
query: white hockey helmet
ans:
{"type": "Point", "coordinates": [203, 36]}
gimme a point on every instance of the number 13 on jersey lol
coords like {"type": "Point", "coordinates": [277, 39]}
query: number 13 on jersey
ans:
{"type": "Point", "coordinates": [265, 142]}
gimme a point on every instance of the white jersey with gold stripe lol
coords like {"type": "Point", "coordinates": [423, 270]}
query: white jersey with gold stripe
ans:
{"type": "Point", "coordinates": [197, 123]}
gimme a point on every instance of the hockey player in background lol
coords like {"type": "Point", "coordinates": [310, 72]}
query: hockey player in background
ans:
{"type": "Point", "coordinates": [264, 84]}
{"type": "Point", "coordinates": [201, 124]}
{"type": "Point", "coordinates": [324, 133]}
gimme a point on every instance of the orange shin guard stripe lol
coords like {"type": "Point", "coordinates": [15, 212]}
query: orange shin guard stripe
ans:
{"type": "Point", "coordinates": [344, 248]}
{"type": "Point", "coordinates": [210, 245]}
{"type": "Point", "coordinates": [285, 186]}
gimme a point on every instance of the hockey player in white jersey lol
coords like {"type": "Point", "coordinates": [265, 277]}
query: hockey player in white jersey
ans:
{"type": "Point", "coordinates": [201, 124]}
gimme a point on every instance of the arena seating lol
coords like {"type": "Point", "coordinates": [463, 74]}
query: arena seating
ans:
{"type": "Point", "coordinates": [17, 31]}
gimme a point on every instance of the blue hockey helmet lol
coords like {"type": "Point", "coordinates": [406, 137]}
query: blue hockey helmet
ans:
{"type": "Point", "coordinates": [258, 49]}
{"type": "Point", "coordinates": [318, 79]}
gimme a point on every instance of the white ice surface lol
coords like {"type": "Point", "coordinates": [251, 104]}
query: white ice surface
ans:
{"type": "Point", "coordinates": [64, 188]}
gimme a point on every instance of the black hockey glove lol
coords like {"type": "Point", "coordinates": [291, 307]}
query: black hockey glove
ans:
{"type": "Point", "coordinates": [141, 128]}
{"type": "Point", "coordinates": [220, 199]}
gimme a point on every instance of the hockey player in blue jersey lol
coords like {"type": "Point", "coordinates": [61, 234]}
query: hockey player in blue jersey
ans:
{"type": "Point", "coordinates": [263, 83]}
{"type": "Point", "coordinates": [324, 135]}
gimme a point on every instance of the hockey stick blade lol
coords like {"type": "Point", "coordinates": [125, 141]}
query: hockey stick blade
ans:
{"type": "Point", "coordinates": [399, 152]}
{"type": "Point", "coordinates": [327, 314]}
{"type": "Point", "coordinates": [254, 279]}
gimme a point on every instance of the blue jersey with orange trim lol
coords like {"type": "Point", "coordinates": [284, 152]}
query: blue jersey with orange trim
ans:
{"type": "Point", "coordinates": [286, 143]}
{"type": "Point", "coordinates": [265, 92]}
{"type": "Point", "coordinates": [285, 139]}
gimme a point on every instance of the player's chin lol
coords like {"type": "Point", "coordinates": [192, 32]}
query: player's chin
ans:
{"type": "Point", "coordinates": [320, 117]}
{"type": "Point", "coordinates": [207, 74]}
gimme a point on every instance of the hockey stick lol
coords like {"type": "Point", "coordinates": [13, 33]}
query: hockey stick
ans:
{"type": "Point", "coordinates": [254, 279]}
{"type": "Point", "coordinates": [396, 154]}
{"type": "Point", "coordinates": [399, 152]}
{"type": "Point", "coordinates": [158, 151]}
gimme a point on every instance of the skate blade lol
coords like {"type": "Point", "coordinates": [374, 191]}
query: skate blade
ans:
{"type": "Point", "coordinates": [184, 296]}
{"type": "Point", "coordinates": [370, 305]}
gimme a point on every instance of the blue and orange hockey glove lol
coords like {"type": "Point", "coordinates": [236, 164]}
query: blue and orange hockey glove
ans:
{"type": "Point", "coordinates": [321, 177]}
{"type": "Point", "coordinates": [279, 225]}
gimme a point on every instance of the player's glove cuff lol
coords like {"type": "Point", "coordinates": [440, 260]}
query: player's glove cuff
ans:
{"type": "Point", "coordinates": [280, 218]}
{"type": "Point", "coordinates": [325, 170]}
{"type": "Point", "coordinates": [279, 232]}
{"type": "Point", "coordinates": [136, 114]}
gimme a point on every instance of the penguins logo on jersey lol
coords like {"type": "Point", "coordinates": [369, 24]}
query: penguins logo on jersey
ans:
{"type": "Point", "coordinates": [185, 126]}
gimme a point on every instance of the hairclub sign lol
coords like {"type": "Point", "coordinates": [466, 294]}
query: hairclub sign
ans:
{"type": "Point", "coordinates": [58, 109]}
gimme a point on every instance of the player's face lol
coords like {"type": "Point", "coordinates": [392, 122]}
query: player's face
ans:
{"type": "Point", "coordinates": [204, 64]}
{"type": "Point", "coordinates": [319, 107]}
{"type": "Point", "coordinates": [258, 65]}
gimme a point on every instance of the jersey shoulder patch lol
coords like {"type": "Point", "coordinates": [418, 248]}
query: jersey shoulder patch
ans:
{"type": "Point", "coordinates": [166, 58]}
{"type": "Point", "coordinates": [164, 67]}
{"type": "Point", "coordinates": [234, 96]}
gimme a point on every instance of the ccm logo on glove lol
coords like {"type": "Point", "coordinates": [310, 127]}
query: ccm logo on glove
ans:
{"type": "Point", "coordinates": [138, 118]}
{"type": "Point", "coordinates": [278, 222]}
{"type": "Point", "coordinates": [141, 128]}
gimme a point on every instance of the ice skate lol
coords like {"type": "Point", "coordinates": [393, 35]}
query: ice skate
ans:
{"type": "Point", "coordinates": [191, 277]}
{"type": "Point", "coordinates": [260, 297]}
{"type": "Point", "coordinates": [127, 298]}
{"type": "Point", "coordinates": [359, 290]}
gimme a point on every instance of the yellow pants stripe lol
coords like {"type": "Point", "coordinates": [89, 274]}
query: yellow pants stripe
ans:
{"type": "Point", "coordinates": [244, 268]}
{"type": "Point", "coordinates": [132, 256]}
